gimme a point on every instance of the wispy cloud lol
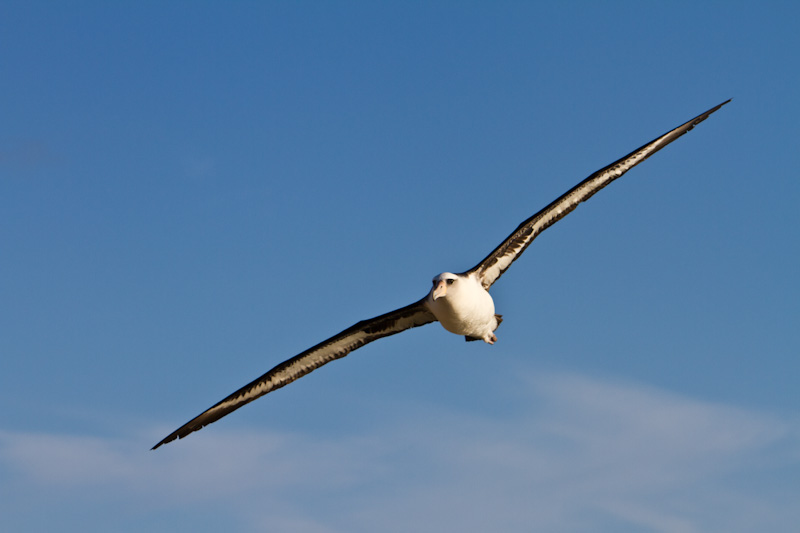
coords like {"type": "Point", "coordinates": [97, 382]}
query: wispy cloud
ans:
{"type": "Point", "coordinates": [586, 455]}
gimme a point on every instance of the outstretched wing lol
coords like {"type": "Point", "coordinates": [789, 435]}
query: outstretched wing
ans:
{"type": "Point", "coordinates": [492, 267]}
{"type": "Point", "coordinates": [354, 337]}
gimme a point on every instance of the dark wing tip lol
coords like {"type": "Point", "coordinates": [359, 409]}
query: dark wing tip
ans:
{"type": "Point", "coordinates": [164, 441]}
{"type": "Point", "coordinates": [171, 437]}
{"type": "Point", "coordinates": [212, 414]}
{"type": "Point", "coordinates": [178, 434]}
{"type": "Point", "coordinates": [707, 113]}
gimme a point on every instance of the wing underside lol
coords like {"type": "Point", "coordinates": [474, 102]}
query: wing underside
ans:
{"type": "Point", "coordinates": [338, 346]}
{"type": "Point", "coordinates": [495, 264]}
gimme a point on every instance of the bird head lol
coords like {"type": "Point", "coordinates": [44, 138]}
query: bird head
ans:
{"type": "Point", "coordinates": [442, 283]}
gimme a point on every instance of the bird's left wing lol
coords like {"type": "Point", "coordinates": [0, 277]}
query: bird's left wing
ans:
{"type": "Point", "coordinates": [354, 337]}
{"type": "Point", "coordinates": [495, 264]}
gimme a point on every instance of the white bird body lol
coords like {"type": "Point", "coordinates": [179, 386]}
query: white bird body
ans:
{"type": "Point", "coordinates": [460, 302]}
{"type": "Point", "coordinates": [463, 306]}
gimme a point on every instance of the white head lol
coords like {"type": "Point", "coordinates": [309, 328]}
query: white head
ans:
{"type": "Point", "coordinates": [446, 281]}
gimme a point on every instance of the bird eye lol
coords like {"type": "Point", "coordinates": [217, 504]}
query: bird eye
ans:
{"type": "Point", "coordinates": [450, 281]}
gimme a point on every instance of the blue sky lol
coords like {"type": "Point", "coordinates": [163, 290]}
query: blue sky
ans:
{"type": "Point", "coordinates": [192, 192]}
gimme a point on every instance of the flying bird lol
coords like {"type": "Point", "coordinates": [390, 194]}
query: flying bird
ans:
{"type": "Point", "coordinates": [461, 303]}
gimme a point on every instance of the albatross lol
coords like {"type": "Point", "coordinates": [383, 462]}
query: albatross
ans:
{"type": "Point", "coordinates": [461, 303]}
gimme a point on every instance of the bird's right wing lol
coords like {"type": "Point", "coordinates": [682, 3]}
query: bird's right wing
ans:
{"type": "Point", "coordinates": [354, 337]}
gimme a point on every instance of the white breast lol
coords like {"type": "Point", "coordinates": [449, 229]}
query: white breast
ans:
{"type": "Point", "coordinates": [467, 309]}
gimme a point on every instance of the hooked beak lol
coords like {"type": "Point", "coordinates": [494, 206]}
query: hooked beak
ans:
{"type": "Point", "coordinates": [440, 290]}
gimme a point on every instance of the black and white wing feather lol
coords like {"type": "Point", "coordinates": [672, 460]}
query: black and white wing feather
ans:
{"type": "Point", "coordinates": [495, 264]}
{"type": "Point", "coordinates": [354, 337]}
